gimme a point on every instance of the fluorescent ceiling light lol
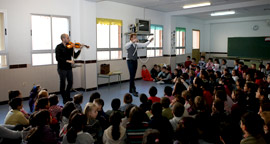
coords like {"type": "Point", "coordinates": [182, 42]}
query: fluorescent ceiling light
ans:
{"type": "Point", "coordinates": [222, 13]}
{"type": "Point", "coordinates": [197, 5]}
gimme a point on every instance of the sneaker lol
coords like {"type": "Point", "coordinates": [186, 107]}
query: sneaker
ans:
{"type": "Point", "coordinates": [160, 82]}
{"type": "Point", "coordinates": [135, 94]}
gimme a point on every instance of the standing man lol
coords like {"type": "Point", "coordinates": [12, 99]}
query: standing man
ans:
{"type": "Point", "coordinates": [132, 47]}
{"type": "Point", "coordinates": [64, 66]}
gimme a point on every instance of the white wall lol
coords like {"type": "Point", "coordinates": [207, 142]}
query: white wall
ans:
{"type": "Point", "coordinates": [128, 15]}
{"type": "Point", "coordinates": [83, 16]}
{"type": "Point", "coordinates": [189, 24]}
{"type": "Point", "coordinates": [220, 30]}
{"type": "Point", "coordinates": [19, 23]}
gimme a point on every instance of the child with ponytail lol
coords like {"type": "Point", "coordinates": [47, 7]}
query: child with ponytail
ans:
{"type": "Point", "coordinates": [93, 125]}
{"type": "Point", "coordinates": [75, 134]}
{"type": "Point", "coordinates": [115, 134]}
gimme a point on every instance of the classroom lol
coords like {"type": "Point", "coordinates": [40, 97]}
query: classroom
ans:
{"type": "Point", "coordinates": [135, 71]}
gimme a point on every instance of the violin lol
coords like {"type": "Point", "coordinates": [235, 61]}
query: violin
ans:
{"type": "Point", "coordinates": [75, 45]}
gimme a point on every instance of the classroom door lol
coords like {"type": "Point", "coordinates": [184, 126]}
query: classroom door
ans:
{"type": "Point", "coordinates": [196, 44]}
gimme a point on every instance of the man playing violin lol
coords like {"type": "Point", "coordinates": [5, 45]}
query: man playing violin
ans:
{"type": "Point", "coordinates": [64, 67]}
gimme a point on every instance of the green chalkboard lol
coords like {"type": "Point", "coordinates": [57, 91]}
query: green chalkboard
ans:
{"type": "Point", "coordinates": [249, 47]}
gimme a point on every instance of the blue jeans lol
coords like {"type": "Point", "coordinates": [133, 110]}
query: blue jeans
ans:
{"type": "Point", "coordinates": [132, 68]}
{"type": "Point", "coordinates": [65, 91]}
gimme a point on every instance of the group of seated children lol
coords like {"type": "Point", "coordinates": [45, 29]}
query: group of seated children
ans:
{"type": "Point", "coordinates": [207, 104]}
{"type": "Point", "coordinates": [162, 74]}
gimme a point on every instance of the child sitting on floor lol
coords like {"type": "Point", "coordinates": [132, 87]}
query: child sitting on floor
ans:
{"type": "Point", "coordinates": [153, 93]}
{"type": "Point", "coordinates": [75, 132]}
{"type": "Point", "coordinates": [193, 64]}
{"type": "Point", "coordinates": [168, 93]}
{"type": "Point", "coordinates": [166, 111]}
{"type": "Point", "coordinates": [216, 65]}
{"type": "Point", "coordinates": [223, 65]}
{"type": "Point", "coordinates": [175, 75]}
{"type": "Point", "coordinates": [102, 117]}
{"type": "Point", "coordinates": [202, 63]}
{"type": "Point", "coordinates": [188, 61]}
{"type": "Point", "coordinates": [78, 99]}
{"type": "Point", "coordinates": [210, 64]}
{"type": "Point", "coordinates": [146, 76]}
{"type": "Point", "coordinates": [55, 109]}
{"type": "Point", "coordinates": [93, 125]}
{"type": "Point", "coordinates": [115, 133]}
{"type": "Point", "coordinates": [17, 94]}
{"type": "Point", "coordinates": [115, 104]}
{"type": "Point", "coordinates": [33, 96]}
{"type": "Point", "coordinates": [166, 77]}
{"type": "Point", "coordinates": [161, 74]}
{"type": "Point", "coordinates": [14, 116]}
{"type": "Point", "coordinates": [145, 103]}
{"type": "Point", "coordinates": [154, 71]}
{"type": "Point", "coordinates": [127, 101]}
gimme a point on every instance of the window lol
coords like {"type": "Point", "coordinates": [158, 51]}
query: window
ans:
{"type": "Point", "coordinates": [46, 32]}
{"type": "Point", "coordinates": [196, 39]}
{"type": "Point", "coordinates": [3, 35]}
{"type": "Point", "coordinates": [109, 39]}
{"type": "Point", "coordinates": [180, 41]}
{"type": "Point", "coordinates": [154, 49]}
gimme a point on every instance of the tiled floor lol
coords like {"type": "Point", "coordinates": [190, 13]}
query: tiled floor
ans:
{"type": "Point", "coordinates": [107, 94]}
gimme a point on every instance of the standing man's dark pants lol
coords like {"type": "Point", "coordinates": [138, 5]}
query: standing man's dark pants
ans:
{"type": "Point", "coordinates": [132, 67]}
{"type": "Point", "coordinates": [65, 91]}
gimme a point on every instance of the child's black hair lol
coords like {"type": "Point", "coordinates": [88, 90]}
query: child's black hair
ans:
{"type": "Point", "coordinates": [221, 95]}
{"type": "Point", "coordinates": [42, 103]}
{"type": "Point", "coordinates": [178, 109]}
{"type": "Point", "coordinates": [53, 98]}
{"type": "Point", "coordinates": [219, 105]}
{"type": "Point", "coordinates": [168, 90]}
{"type": "Point", "coordinates": [153, 91]}
{"type": "Point", "coordinates": [77, 123]}
{"type": "Point", "coordinates": [78, 98]}
{"type": "Point", "coordinates": [94, 96]}
{"type": "Point", "coordinates": [115, 104]}
{"type": "Point", "coordinates": [115, 120]}
{"type": "Point", "coordinates": [67, 109]}
{"type": "Point", "coordinates": [165, 102]}
{"type": "Point", "coordinates": [143, 98]}
{"type": "Point", "coordinates": [99, 101]}
{"type": "Point", "coordinates": [156, 109]}
{"type": "Point", "coordinates": [13, 94]}
{"type": "Point", "coordinates": [225, 61]}
{"type": "Point", "coordinates": [217, 60]}
{"type": "Point", "coordinates": [253, 124]}
{"type": "Point", "coordinates": [15, 102]}
{"type": "Point", "coordinates": [128, 98]}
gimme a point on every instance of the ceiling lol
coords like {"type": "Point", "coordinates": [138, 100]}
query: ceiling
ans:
{"type": "Point", "coordinates": [239, 12]}
{"type": "Point", "coordinates": [171, 5]}
{"type": "Point", "coordinates": [243, 8]}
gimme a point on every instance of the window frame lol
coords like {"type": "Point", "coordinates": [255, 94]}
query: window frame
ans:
{"type": "Point", "coordinates": [154, 41]}
{"type": "Point", "coordinates": [5, 52]}
{"type": "Point", "coordinates": [199, 38]}
{"type": "Point", "coordinates": [180, 48]}
{"type": "Point", "coordinates": [52, 50]}
{"type": "Point", "coordinates": [110, 49]}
